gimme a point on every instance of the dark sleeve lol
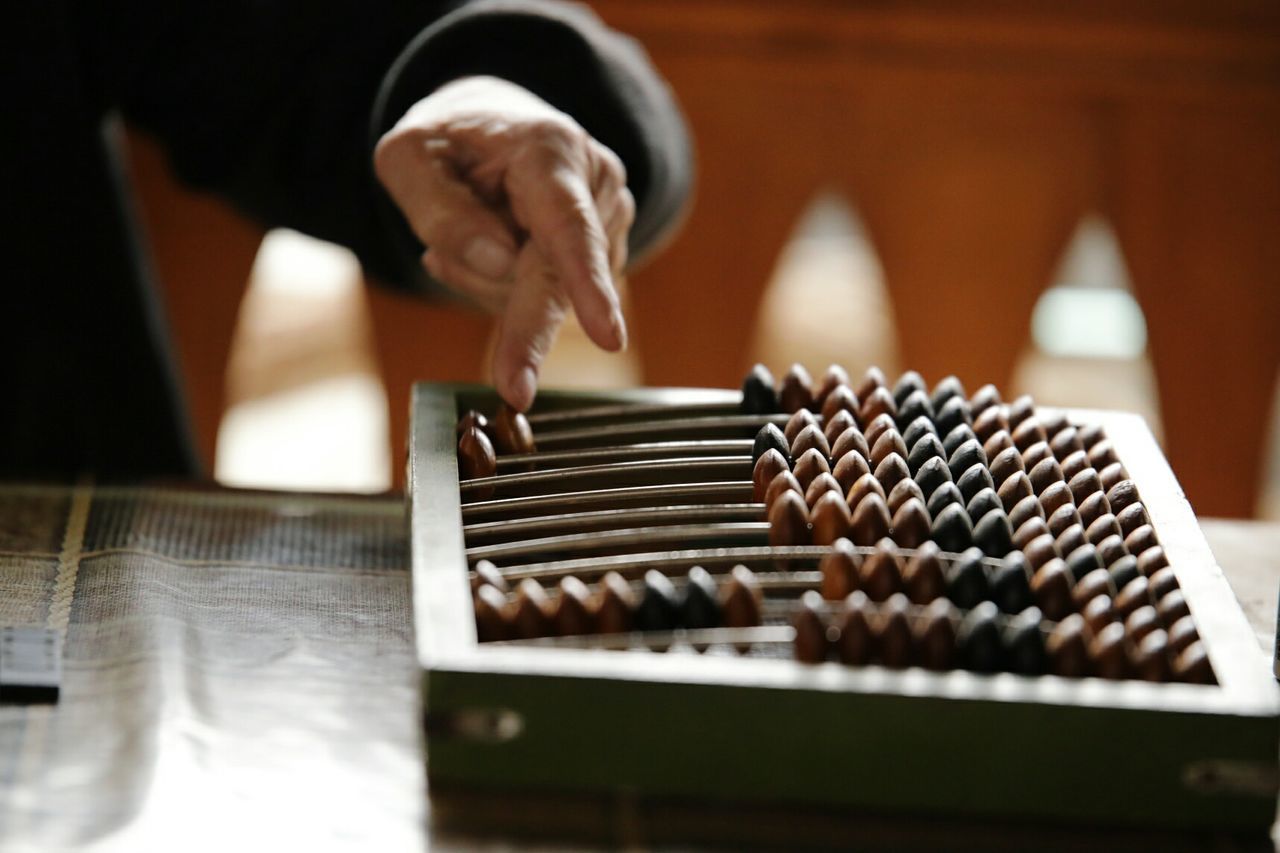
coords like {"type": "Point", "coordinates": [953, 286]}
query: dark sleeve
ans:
{"type": "Point", "coordinates": [277, 105]}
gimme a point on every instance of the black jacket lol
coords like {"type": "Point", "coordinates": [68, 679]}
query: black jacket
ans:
{"type": "Point", "coordinates": [275, 105]}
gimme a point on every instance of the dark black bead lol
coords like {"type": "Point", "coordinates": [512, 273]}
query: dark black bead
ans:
{"type": "Point", "coordinates": [952, 414]}
{"type": "Point", "coordinates": [759, 392]}
{"type": "Point", "coordinates": [928, 447]}
{"type": "Point", "coordinates": [951, 528]}
{"type": "Point", "coordinates": [947, 388]}
{"type": "Point", "coordinates": [967, 580]}
{"type": "Point", "coordinates": [974, 479]}
{"type": "Point", "coordinates": [932, 475]}
{"type": "Point", "coordinates": [770, 437]}
{"type": "Point", "coordinates": [700, 607]}
{"type": "Point", "coordinates": [1123, 570]}
{"type": "Point", "coordinates": [659, 608]}
{"type": "Point", "coordinates": [916, 405]}
{"type": "Point", "coordinates": [915, 430]}
{"type": "Point", "coordinates": [993, 534]}
{"type": "Point", "coordinates": [957, 437]}
{"type": "Point", "coordinates": [965, 457]}
{"type": "Point", "coordinates": [983, 502]}
{"type": "Point", "coordinates": [978, 643]}
{"type": "Point", "coordinates": [1010, 584]}
{"type": "Point", "coordinates": [944, 495]}
{"type": "Point", "coordinates": [1083, 560]}
{"type": "Point", "coordinates": [1023, 641]}
{"type": "Point", "coordinates": [908, 382]}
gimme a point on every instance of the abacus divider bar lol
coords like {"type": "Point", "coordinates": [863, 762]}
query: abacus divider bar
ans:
{"type": "Point", "coordinates": [757, 635]}
{"type": "Point", "coordinates": [626, 452]}
{"type": "Point", "coordinates": [723, 491]}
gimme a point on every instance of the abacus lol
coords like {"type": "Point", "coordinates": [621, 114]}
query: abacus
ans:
{"type": "Point", "coordinates": [865, 595]}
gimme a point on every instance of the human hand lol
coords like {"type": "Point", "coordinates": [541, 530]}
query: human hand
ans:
{"type": "Point", "coordinates": [521, 210]}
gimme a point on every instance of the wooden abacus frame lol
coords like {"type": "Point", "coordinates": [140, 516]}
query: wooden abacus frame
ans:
{"type": "Point", "coordinates": [690, 728]}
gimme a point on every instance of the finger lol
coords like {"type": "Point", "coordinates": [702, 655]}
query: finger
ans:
{"type": "Point", "coordinates": [444, 212]}
{"type": "Point", "coordinates": [617, 213]}
{"type": "Point", "coordinates": [488, 294]}
{"type": "Point", "coordinates": [551, 199]}
{"type": "Point", "coordinates": [534, 314]}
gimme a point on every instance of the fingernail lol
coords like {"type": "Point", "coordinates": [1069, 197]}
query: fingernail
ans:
{"type": "Point", "coordinates": [620, 330]}
{"type": "Point", "coordinates": [488, 257]}
{"type": "Point", "coordinates": [524, 385]}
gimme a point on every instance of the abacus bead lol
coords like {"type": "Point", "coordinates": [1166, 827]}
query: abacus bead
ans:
{"type": "Point", "coordinates": [810, 438]}
{"type": "Point", "coordinates": [906, 384]}
{"type": "Point", "coordinates": [978, 643]}
{"type": "Point", "coordinates": [951, 414]}
{"type": "Point", "coordinates": [1053, 422]}
{"type": "Point", "coordinates": [982, 503]}
{"type": "Point", "coordinates": [965, 457]}
{"type": "Point", "coordinates": [1073, 464]}
{"type": "Point", "coordinates": [1161, 583]}
{"type": "Point", "coordinates": [531, 613]}
{"type": "Point", "coordinates": [829, 519]}
{"type": "Point", "coordinates": [1006, 463]}
{"type": "Point", "coordinates": [1152, 560]}
{"type": "Point", "coordinates": [974, 480]}
{"type": "Point", "coordinates": [942, 497]}
{"type": "Point", "coordinates": [984, 398]}
{"type": "Point", "coordinates": [1037, 453]}
{"type": "Point", "coordinates": [870, 520]}
{"type": "Point", "coordinates": [1066, 444]}
{"type": "Point", "coordinates": [917, 429]}
{"type": "Point", "coordinates": [932, 474]}
{"type": "Point", "coordinates": [573, 611]}
{"type": "Point", "coordinates": [659, 608]}
{"type": "Point", "coordinates": [842, 397]}
{"type": "Point", "coordinates": [967, 580]}
{"type": "Point", "coordinates": [924, 577]}
{"type": "Point", "coordinates": [821, 484]}
{"type": "Point", "coordinates": [1081, 557]}
{"type": "Point", "coordinates": [1112, 475]}
{"type": "Point", "coordinates": [486, 572]}
{"type": "Point", "coordinates": [935, 636]}
{"type": "Point", "coordinates": [1102, 527]}
{"type": "Point", "coordinates": [915, 405]}
{"type": "Point", "coordinates": [797, 389]}
{"type": "Point", "coordinates": [476, 457]}
{"type": "Point", "coordinates": [901, 493]}
{"type": "Point", "coordinates": [1021, 409]}
{"type": "Point", "coordinates": [928, 447]}
{"type": "Point", "coordinates": [769, 465]}
{"type": "Point", "coordinates": [1025, 510]}
{"type": "Point", "coordinates": [700, 605]}
{"type": "Point", "coordinates": [1109, 654]}
{"type": "Point", "coordinates": [1122, 495]}
{"type": "Point", "coordinates": [1055, 496]}
{"type": "Point", "coordinates": [1068, 647]}
{"type": "Point", "coordinates": [784, 482]}
{"type": "Point", "coordinates": [1131, 518]}
{"type": "Point", "coordinates": [1094, 507]}
{"type": "Point", "coordinates": [877, 402]}
{"type": "Point", "coordinates": [1123, 571]}
{"type": "Point", "coordinates": [1051, 587]}
{"type": "Point", "coordinates": [876, 428]}
{"type": "Point", "coordinates": [849, 469]}
{"type": "Point", "coordinates": [880, 574]}
{"type": "Point", "coordinates": [742, 602]}
{"type": "Point", "coordinates": [1015, 487]}
{"type": "Point", "coordinates": [850, 441]}
{"type": "Point", "coordinates": [959, 435]}
{"type": "Point", "coordinates": [511, 431]}
{"type": "Point", "coordinates": [888, 444]}
{"type": "Point", "coordinates": [490, 609]}
{"type": "Point", "coordinates": [1141, 622]}
{"type": "Point", "coordinates": [1039, 551]}
{"type": "Point", "coordinates": [1182, 634]}
{"type": "Point", "coordinates": [1098, 612]}
{"type": "Point", "coordinates": [992, 534]}
{"type": "Point", "coordinates": [1111, 550]}
{"type": "Point", "coordinates": [759, 394]}
{"type": "Point", "coordinates": [910, 524]}
{"type": "Point", "coordinates": [834, 377]}
{"type": "Point", "coordinates": [770, 438]}
{"type": "Point", "coordinates": [1192, 665]}
{"type": "Point", "coordinates": [998, 443]}
{"type": "Point", "coordinates": [839, 569]}
{"type": "Point", "coordinates": [799, 419]}
{"type": "Point", "coordinates": [1028, 433]}
{"type": "Point", "coordinates": [863, 486]}
{"type": "Point", "coordinates": [615, 605]}
{"type": "Point", "coordinates": [1091, 434]}
{"type": "Point", "coordinates": [810, 645]}
{"type": "Point", "coordinates": [1150, 658]}
{"type": "Point", "coordinates": [1140, 539]}
{"type": "Point", "coordinates": [855, 644]}
{"type": "Point", "coordinates": [951, 528]}
{"type": "Point", "coordinates": [810, 464]}
{"type": "Point", "coordinates": [893, 638]}
{"type": "Point", "coordinates": [1084, 484]}
{"type": "Point", "coordinates": [1092, 585]}
{"type": "Point", "coordinates": [1172, 606]}
{"type": "Point", "coordinates": [988, 422]}
{"type": "Point", "coordinates": [947, 388]}
{"type": "Point", "coordinates": [1061, 519]}
{"type": "Point", "coordinates": [1031, 529]}
{"type": "Point", "coordinates": [472, 418]}
{"type": "Point", "coordinates": [1103, 454]}
{"type": "Point", "coordinates": [835, 426]}
{"type": "Point", "coordinates": [789, 520]}
{"type": "Point", "coordinates": [1133, 595]}
{"type": "Point", "coordinates": [1024, 644]}
{"type": "Point", "coordinates": [1044, 474]}
{"type": "Point", "coordinates": [872, 379]}
{"type": "Point", "coordinates": [1011, 584]}
{"type": "Point", "coordinates": [892, 471]}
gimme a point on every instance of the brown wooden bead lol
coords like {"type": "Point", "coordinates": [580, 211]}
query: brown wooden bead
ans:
{"type": "Point", "coordinates": [1054, 496]}
{"type": "Point", "coordinates": [871, 521]}
{"type": "Point", "coordinates": [485, 572]}
{"type": "Point", "coordinates": [998, 442]}
{"type": "Point", "coordinates": [810, 645]}
{"type": "Point", "coordinates": [1131, 518]}
{"type": "Point", "coordinates": [796, 424]}
{"type": "Point", "coordinates": [742, 603]}
{"type": "Point", "coordinates": [1135, 595]}
{"type": "Point", "coordinates": [856, 642]}
{"type": "Point", "coordinates": [1068, 647]}
{"type": "Point", "coordinates": [492, 622]}
{"type": "Point", "coordinates": [829, 518]}
{"type": "Point", "coordinates": [1020, 409]}
{"type": "Point", "coordinates": [1149, 660]}
{"type": "Point", "coordinates": [877, 402]}
{"type": "Point", "coordinates": [1111, 549]}
{"type": "Point", "coordinates": [1024, 510]}
{"type": "Point", "coordinates": [574, 609]}
{"type": "Point", "coordinates": [1030, 530]}
{"type": "Point", "coordinates": [1005, 464]}
{"type": "Point", "coordinates": [1140, 539]}
{"type": "Point", "coordinates": [850, 441]}
{"type": "Point", "coordinates": [1098, 612]}
{"type": "Point", "coordinates": [876, 427]}
{"type": "Point", "coordinates": [797, 389]}
{"type": "Point", "coordinates": [511, 431]}
{"type": "Point", "coordinates": [1028, 432]}
{"type": "Point", "coordinates": [986, 397]}
{"type": "Point", "coordinates": [842, 397]}
{"type": "Point", "coordinates": [1103, 454]}
{"type": "Point", "coordinates": [769, 465]}
{"type": "Point", "coordinates": [832, 378]}
{"type": "Point", "coordinates": [935, 635]}
{"type": "Point", "coordinates": [1112, 475]}
{"type": "Point", "coordinates": [1162, 582]}
{"type": "Point", "coordinates": [1091, 434]}
{"type": "Point", "coordinates": [785, 481]}
{"type": "Point", "coordinates": [924, 577]}
{"type": "Point", "coordinates": [1044, 474]}
{"type": "Point", "coordinates": [821, 483]}
{"type": "Point", "coordinates": [1065, 444]}
{"type": "Point", "coordinates": [1061, 519]}
{"type": "Point", "coordinates": [531, 612]}
{"type": "Point", "coordinates": [1040, 551]}
{"type": "Point", "coordinates": [1192, 665]}
{"type": "Point", "coordinates": [888, 442]}
{"type": "Point", "coordinates": [911, 524]}
{"type": "Point", "coordinates": [810, 438]}
{"type": "Point", "coordinates": [835, 426]}
{"type": "Point", "coordinates": [892, 471]}
{"type": "Point", "coordinates": [1122, 495]}
{"type": "Point", "coordinates": [1073, 464]}
{"type": "Point", "coordinates": [1015, 487]}
{"type": "Point", "coordinates": [988, 422]}
{"type": "Point", "coordinates": [901, 493]}
{"type": "Point", "coordinates": [1096, 583]}
{"type": "Point", "coordinates": [1035, 454]}
{"type": "Point", "coordinates": [880, 574]}
{"type": "Point", "coordinates": [1109, 653]}
{"type": "Point", "coordinates": [615, 605]}
{"type": "Point", "coordinates": [872, 379]}
{"type": "Point", "coordinates": [839, 568]}
{"type": "Point", "coordinates": [1053, 422]}
{"type": "Point", "coordinates": [1051, 587]}
{"type": "Point", "coordinates": [1084, 484]}
{"type": "Point", "coordinates": [1102, 527]}
{"type": "Point", "coordinates": [1092, 508]}
{"type": "Point", "coordinates": [850, 468]}
{"type": "Point", "coordinates": [809, 465]}
{"type": "Point", "coordinates": [472, 418]}
{"type": "Point", "coordinates": [1152, 560]}
{"type": "Point", "coordinates": [1070, 539]}
{"type": "Point", "coordinates": [1141, 622]}
{"type": "Point", "coordinates": [789, 521]}
{"type": "Point", "coordinates": [1171, 607]}
{"type": "Point", "coordinates": [476, 457]}
{"type": "Point", "coordinates": [863, 486]}
{"type": "Point", "coordinates": [1182, 634]}
{"type": "Point", "coordinates": [893, 633]}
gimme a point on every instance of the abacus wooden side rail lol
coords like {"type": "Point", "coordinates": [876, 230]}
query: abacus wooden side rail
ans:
{"type": "Point", "coordinates": [864, 740]}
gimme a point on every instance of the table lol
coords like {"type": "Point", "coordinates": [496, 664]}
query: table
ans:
{"type": "Point", "coordinates": [239, 673]}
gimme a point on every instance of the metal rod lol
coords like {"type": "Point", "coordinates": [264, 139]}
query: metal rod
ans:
{"type": "Point", "coordinates": [608, 519]}
{"type": "Point", "coordinates": [612, 541]}
{"type": "Point", "coordinates": [600, 499]}
{"type": "Point", "coordinates": [727, 426]}
{"type": "Point", "coordinates": [625, 452]}
{"type": "Point", "coordinates": [618, 411]}
{"type": "Point", "coordinates": [650, 472]}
